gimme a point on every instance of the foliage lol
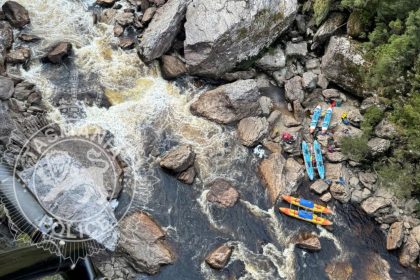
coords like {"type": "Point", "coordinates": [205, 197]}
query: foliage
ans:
{"type": "Point", "coordinates": [321, 10]}
{"type": "Point", "coordinates": [372, 117]}
{"type": "Point", "coordinates": [402, 178]}
{"type": "Point", "coordinates": [355, 148]}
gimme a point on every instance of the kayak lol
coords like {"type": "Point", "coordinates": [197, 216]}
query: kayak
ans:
{"type": "Point", "coordinates": [327, 120]}
{"type": "Point", "coordinates": [308, 160]}
{"type": "Point", "coordinates": [306, 216]}
{"type": "Point", "coordinates": [315, 118]}
{"type": "Point", "coordinates": [319, 160]}
{"type": "Point", "coordinates": [306, 204]}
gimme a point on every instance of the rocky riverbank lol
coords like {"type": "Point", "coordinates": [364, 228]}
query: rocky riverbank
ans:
{"type": "Point", "coordinates": [243, 52]}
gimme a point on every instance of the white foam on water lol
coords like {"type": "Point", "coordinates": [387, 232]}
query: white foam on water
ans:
{"type": "Point", "coordinates": [329, 235]}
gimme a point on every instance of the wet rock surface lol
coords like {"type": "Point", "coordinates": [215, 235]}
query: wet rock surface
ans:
{"type": "Point", "coordinates": [59, 52]}
{"type": "Point", "coordinates": [308, 241]}
{"type": "Point", "coordinates": [172, 67]}
{"type": "Point", "coordinates": [223, 193]}
{"type": "Point", "coordinates": [143, 241]}
{"type": "Point", "coordinates": [178, 159]}
{"type": "Point", "coordinates": [16, 14]}
{"type": "Point", "coordinates": [219, 257]}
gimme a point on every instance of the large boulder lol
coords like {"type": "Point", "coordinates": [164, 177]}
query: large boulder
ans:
{"type": "Point", "coordinates": [219, 257]}
{"type": "Point", "coordinates": [16, 14]}
{"type": "Point", "coordinates": [252, 130]}
{"type": "Point", "coordinates": [410, 251]}
{"type": "Point", "coordinates": [272, 60]}
{"type": "Point", "coordinates": [378, 146]}
{"type": "Point", "coordinates": [375, 203]}
{"type": "Point", "coordinates": [327, 29]}
{"type": "Point", "coordinates": [280, 176]}
{"type": "Point", "coordinates": [395, 236]}
{"type": "Point", "coordinates": [222, 193]}
{"type": "Point", "coordinates": [385, 129]}
{"type": "Point", "coordinates": [377, 268]}
{"type": "Point", "coordinates": [294, 89]}
{"type": "Point", "coordinates": [222, 33]}
{"type": "Point", "coordinates": [143, 240]}
{"type": "Point", "coordinates": [6, 88]}
{"type": "Point", "coordinates": [229, 103]}
{"type": "Point", "coordinates": [178, 159]}
{"type": "Point", "coordinates": [343, 64]}
{"type": "Point", "coordinates": [159, 35]}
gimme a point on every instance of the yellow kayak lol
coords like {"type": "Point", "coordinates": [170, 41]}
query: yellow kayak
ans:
{"type": "Point", "coordinates": [306, 216]}
{"type": "Point", "coordinates": [306, 204]}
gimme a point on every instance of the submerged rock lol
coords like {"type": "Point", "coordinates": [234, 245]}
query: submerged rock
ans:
{"type": "Point", "coordinates": [339, 270]}
{"type": "Point", "coordinates": [219, 257]}
{"type": "Point", "coordinates": [232, 31]}
{"type": "Point", "coordinates": [344, 65]}
{"type": "Point", "coordinates": [187, 176]}
{"type": "Point", "coordinates": [16, 14]}
{"type": "Point", "coordinates": [178, 158]}
{"type": "Point", "coordinates": [252, 130]}
{"type": "Point", "coordinates": [395, 236]}
{"type": "Point", "coordinates": [144, 242]}
{"type": "Point", "coordinates": [229, 103]}
{"type": "Point", "coordinates": [106, 3]}
{"type": "Point", "coordinates": [223, 193]}
{"type": "Point", "coordinates": [162, 30]}
{"type": "Point", "coordinates": [172, 67]}
{"type": "Point", "coordinates": [308, 241]}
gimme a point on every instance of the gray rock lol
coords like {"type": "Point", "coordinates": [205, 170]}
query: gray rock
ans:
{"type": "Point", "coordinates": [219, 257]}
{"type": "Point", "coordinates": [313, 63]}
{"type": "Point", "coordinates": [296, 50]}
{"type": "Point", "coordinates": [6, 88]}
{"type": "Point", "coordinates": [16, 14]}
{"type": "Point", "coordinates": [232, 32]}
{"type": "Point", "coordinates": [126, 43]}
{"type": "Point", "coordinates": [162, 30]}
{"type": "Point", "coordinates": [343, 64]}
{"type": "Point", "coordinates": [294, 89]}
{"type": "Point", "coordinates": [331, 93]}
{"type": "Point", "coordinates": [143, 240]}
{"type": "Point", "coordinates": [309, 81]}
{"type": "Point", "coordinates": [272, 60]}
{"type": "Point", "coordinates": [358, 196]}
{"type": "Point", "coordinates": [178, 158]}
{"type": "Point", "coordinates": [58, 52]}
{"type": "Point", "coordinates": [6, 35]}
{"type": "Point", "coordinates": [326, 197]}
{"type": "Point", "coordinates": [378, 146]}
{"type": "Point", "coordinates": [375, 203]}
{"type": "Point", "coordinates": [409, 252]}
{"type": "Point", "coordinates": [124, 19]}
{"type": "Point", "coordinates": [30, 38]}
{"type": "Point", "coordinates": [340, 192]}
{"type": "Point", "coordinates": [252, 130]}
{"type": "Point", "coordinates": [240, 75]}
{"type": "Point", "coordinates": [319, 186]}
{"type": "Point", "coordinates": [368, 179]}
{"type": "Point", "coordinates": [280, 76]}
{"type": "Point", "coordinates": [229, 103]}
{"type": "Point", "coordinates": [172, 67]}
{"type": "Point", "coordinates": [355, 117]}
{"type": "Point", "coordinates": [266, 105]}
{"type": "Point", "coordinates": [298, 111]}
{"type": "Point", "coordinates": [322, 81]}
{"type": "Point", "coordinates": [223, 193]}
{"type": "Point", "coordinates": [336, 157]}
{"type": "Point", "coordinates": [385, 129]}
{"type": "Point", "coordinates": [327, 29]}
{"type": "Point", "coordinates": [148, 14]}
{"type": "Point", "coordinates": [416, 233]}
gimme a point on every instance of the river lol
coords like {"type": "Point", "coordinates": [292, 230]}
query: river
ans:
{"type": "Point", "coordinates": [147, 114]}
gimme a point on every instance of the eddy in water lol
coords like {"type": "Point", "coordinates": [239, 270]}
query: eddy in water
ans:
{"type": "Point", "coordinates": [147, 137]}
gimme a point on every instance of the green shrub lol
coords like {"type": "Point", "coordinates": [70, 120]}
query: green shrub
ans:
{"type": "Point", "coordinates": [401, 178]}
{"type": "Point", "coordinates": [355, 148]}
{"type": "Point", "coordinates": [321, 10]}
{"type": "Point", "coordinates": [372, 117]}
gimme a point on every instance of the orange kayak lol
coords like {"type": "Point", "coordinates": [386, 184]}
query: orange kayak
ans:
{"type": "Point", "coordinates": [306, 216]}
{"type": "Point", "coordinates": [306, 204]}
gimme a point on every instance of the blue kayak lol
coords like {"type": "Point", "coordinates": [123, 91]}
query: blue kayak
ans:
{"type": "Point", "coordinates": [315, 118]}
{"type": "Point", "coordinates": [308, 161]}
{"type": "Point", "coordinates": [327, 120]}
{"type": "Point", "coordinates": [319, 161]}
